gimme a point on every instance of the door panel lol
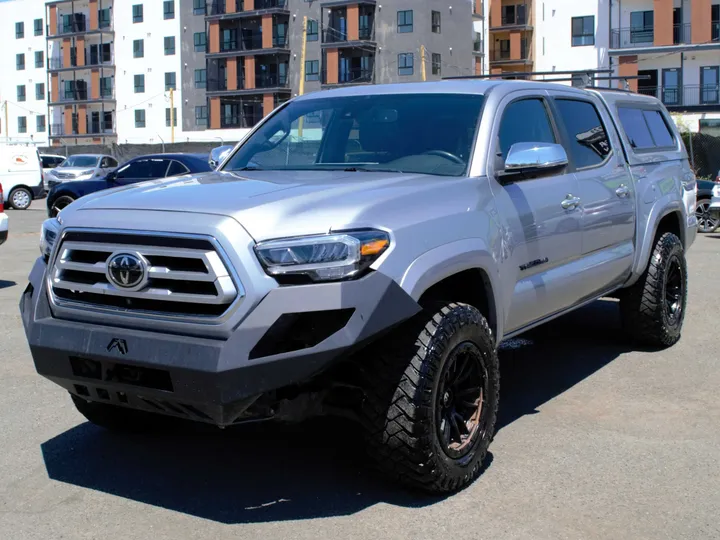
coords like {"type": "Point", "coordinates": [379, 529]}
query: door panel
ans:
{"type": "Point", "coordinates": [605, 188]}
{"type": "Point", "coordinates": [543, 237]}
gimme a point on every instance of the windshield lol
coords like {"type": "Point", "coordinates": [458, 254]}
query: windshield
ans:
{"type": "Point", "coordinates": [80, 161]}
{"type": "Point", "coordinates": [409, 133]}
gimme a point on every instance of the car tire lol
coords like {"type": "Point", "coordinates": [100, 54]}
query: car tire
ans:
{"type": "Point", "coordinates": [60, 203]}
{"type": "Point", "coordinates": [707, 222]}
{"type": "Point", "coordinates": [115, 418]}
{"type": "Point", "coordinates": [431, 399]}
{"type": "Point", "coordinates": [653, 309]}
{"type": "Point", "coordinates": [20, 198]}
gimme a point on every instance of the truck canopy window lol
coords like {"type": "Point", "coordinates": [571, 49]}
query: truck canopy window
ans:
{"type": "Point", "coordinates": [658, 128]}
{"type": "Point", "coordinates": [645, 128]}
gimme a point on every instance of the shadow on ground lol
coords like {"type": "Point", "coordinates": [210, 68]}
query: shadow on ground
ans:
{"type": "Point", "coordinates": [266, 473]}
{"type": "Point", "coordinates": [4, 284]}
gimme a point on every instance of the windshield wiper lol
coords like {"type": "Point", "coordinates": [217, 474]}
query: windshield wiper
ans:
{"type": "Point", "coordinates": [370, 169]}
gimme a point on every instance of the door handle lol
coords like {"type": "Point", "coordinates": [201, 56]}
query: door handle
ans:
{"type": "Point", "coordinates": [623, 191]}
{"type": "Point", "coordinates": [570, 202]}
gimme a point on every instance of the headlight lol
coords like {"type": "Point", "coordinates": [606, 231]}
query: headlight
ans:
{"type": "Point", "coordinates": [48, 235]}
{"type": "Point", "coordinates": [716, 191]}
{"type": "Point", "coordinates": [85, 174]}
{"type": "Point", "coordinates": [323, 258]}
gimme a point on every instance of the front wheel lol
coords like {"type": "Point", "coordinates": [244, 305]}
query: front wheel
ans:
{"type": "Point", "coordinates": [20, 198]}
{"type": "Point", "coordinates": [432, 390]}
{"type": "Point", "coordinates": [60, 203]}
{"type": "Point", "coordinates": [653, 309]}
{"type": "Point", "coordinates": [708, 222]}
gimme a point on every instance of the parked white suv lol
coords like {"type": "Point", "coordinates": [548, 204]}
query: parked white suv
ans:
{"type": "Point", "coordinates": [21, 175]}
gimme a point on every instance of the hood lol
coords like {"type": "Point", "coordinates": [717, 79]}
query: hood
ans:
{"type": "Point", "coordinates": [74, 171]}
{"type": "Point", "coordinates": [274, 204]}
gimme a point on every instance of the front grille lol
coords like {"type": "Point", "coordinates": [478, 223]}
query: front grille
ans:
{"type": "Point", "coordinates": [64, 176]}
{"type": "Point", "coordinates": [186, 276]}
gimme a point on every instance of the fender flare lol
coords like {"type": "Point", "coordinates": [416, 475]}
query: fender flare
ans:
{"type": "Point", "coordinates": [447, 260]}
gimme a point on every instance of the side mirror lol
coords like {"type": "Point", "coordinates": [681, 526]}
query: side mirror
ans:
{"type": "Point", "coordinates": [111, 176]}
{"type": "Point", "coordinates": [528, 158]}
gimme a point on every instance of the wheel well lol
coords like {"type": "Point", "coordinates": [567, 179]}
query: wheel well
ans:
{"type": "Point", "coordinates": [670, 223]}
{"type": "Point", "coordinates": [470, 287]}
{"type": "Point", "coordinates": [21, 186]}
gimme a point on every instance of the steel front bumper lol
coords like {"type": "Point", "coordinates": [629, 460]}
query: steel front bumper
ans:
{"type": "Point", "coordinates": [209, 380]}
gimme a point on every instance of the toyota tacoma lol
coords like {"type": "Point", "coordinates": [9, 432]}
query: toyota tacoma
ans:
{"type": "Point", "coordinates": [363, 252]}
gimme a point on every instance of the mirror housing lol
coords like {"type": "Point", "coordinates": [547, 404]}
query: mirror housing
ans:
{"type": "Point", "coordinates": [529, 159]}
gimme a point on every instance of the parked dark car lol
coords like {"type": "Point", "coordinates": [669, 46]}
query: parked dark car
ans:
{"type": "Point", "coordinates": [139, 169]}
{"type": "Point", "coordinates": [708, 222]}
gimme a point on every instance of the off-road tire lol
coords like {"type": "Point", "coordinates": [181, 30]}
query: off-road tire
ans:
{"type": "Point", "coordinates": [644, 306]}
{"type": "Point", "coordinates": [115, 418]}
{"type": "Point", "coordinates": [399, 412]}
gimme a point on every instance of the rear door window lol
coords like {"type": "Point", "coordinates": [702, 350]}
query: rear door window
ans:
{"type": "Point", "coordinates": [589, 145]}
{"type": "Point", "coordinates": [144, 169]}
{"type": "Point", "coordinates": [177, 169]}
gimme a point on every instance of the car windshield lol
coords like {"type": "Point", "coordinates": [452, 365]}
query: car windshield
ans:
{"type": "Point", "coordinates": [80, 161]}
{"type": "Point", "coordinates": [409, 133]}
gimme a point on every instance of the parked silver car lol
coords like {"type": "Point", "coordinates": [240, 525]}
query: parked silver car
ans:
{"type": "Point", "coordinates": [81, 167]}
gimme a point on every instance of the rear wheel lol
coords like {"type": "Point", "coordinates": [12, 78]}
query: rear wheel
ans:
{"type": "Point", "coordinates": [20, 198]}
{"type": "Point", "coordinates": [116, 418]}
{"type": "Point", "coordinates": [60, 203]}
{"type": "Point", "coordinates": [432, 391]}
{"type": "Point", "coordinates": [707, 222]}
{"type": "Point", "coordinates": [653, 309]}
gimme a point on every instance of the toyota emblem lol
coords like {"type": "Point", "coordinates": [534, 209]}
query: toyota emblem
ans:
{"type": "Point", "coordinates": [127, 270]}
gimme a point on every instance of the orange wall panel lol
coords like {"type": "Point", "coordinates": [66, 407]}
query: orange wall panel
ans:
{"type": "Point", "coordinates": [515, 46]}
{"type": "Point", "coordinates": [249, 5]}
{"type": "Point", "coordinates": [95, 84]}
{"type": "Point", "coordinates": [663, 16]}
{"type": "Point", "coordinates": [628, 68]}
{"type": "Point", "coordinates": [80, 47]}
{"type": "Point", "coordinates": [231, 73]}
{"type": "Point", "coordinates": [353, 23]}
{"type": "Point", "coordinates": [332, 66]}
{"type": "Point", "coordinates": [249, 72]}
{"type": "Point", "coordinates": [700, 21]}
{"type": "Point", "coordinates": [94, 23]}
{"type": "Point", "coordinates": [82, 119]}
{"type": "Point", "coordinates": [53, 21]}
{"type": "Point", "coordinates": [215, 113]}
{"type": "Point", "coordinates": [54, 88]}
{"type": "Point", "coordinates": [67, 117]}
{"type": "Point", "coordinates": [66, 46]}
{"type": "Point", "coordinates": [268, 104]}
{"type": "Point", "coordinates": [495, 13]}
{"type": "Point", "coordinates": [214, 37]}
{"type": "Point", "coordinates": [267, 31]}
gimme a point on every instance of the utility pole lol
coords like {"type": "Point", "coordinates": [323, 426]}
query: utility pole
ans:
{"type": "Point", "coordinates": [172, 115]}
{"type": "Point", "coordinates": [301, 87]}
{"type": "Point", "coordinates": [422, 60]}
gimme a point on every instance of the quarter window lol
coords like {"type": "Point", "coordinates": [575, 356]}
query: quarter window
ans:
{"type": "Point", "coordinates": [526, 120]}
{"type": "Point", "coordinates": [589, 143]}
{"type": "Point", "coordinates": [405, 64]}
{"type": "Point", "coordinates": [177, 169]}
{"type": "Point", "coordinates": [635, 127]}
{"type": "Point", "coordinates": [658, 128]}
{"type": "Point", "coordinates": [405, 21]}
{"type": "Point", "coordinates": [583, 31]}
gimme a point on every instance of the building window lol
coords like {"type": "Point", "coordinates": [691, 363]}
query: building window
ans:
{"type": "Point", "coordinates": [201, 78]}
{"type": "Point", "coordinates": [405, 21]}
{"type": "Point", "coordinates": [436, 63]}
{"type": "Point", "coordinates": [642, 26]}
{"type": "Point", "coordinates": [169, 9]}
{"type": "Point", "coordinates": [19, 30]}
{"type": "Point", "coordinates": [138, 48]}
{"type": "Point", "coordinates": [139, 84]}
{"type": "Point", "coordinates": [436, 22]}
{"type": "Point", "coordinates": [39, 59]}
{"type": "Point", "coordinates": [21, 92]}
{"type": "Point", "coordinates": [198, 7]}
{"type": "Point", "coordinates": [38, 27]}
{"type": "Point", "coordinates": [201, 115]}
{"type": "Point", "coordinates": [312, 70]}
{"type": "Point", "coordinates": [20, 62]}
{"type": "Point", "coordinates": [167, 117]}
{"type": "Point", "coordinates": [139, 118]}
{"type": "Point", "coordinates": [22, 124]}
{"type": "Point", "coordinates": [583, 31]}
{"type": "Point", "coordinates": [200, 41]}
{"type": "Point", "coordinates": [312, 30]}
{"type": "Point", "coordinates": [104, 18]}
{"type": "Point", "coordinates": [137, 13]}
{"type": "Point", "coordinates": [106, 87]}
{"type": "Point", "coordinates": [40, 123]}
{"type": "Point", "coordinates": [40, 91]}
{"type": "Point", "coordinates": [170, 81]}
{"type": "Point", "coordinates": [405, 64]}
{"type": "Point", "coordinates": [169, 45]}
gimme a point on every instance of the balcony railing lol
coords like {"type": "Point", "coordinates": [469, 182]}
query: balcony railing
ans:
{"type": "Point", "coordinates": [628, 38]}
{"type": "Point", "coordinates": [685, 96]}
{"type": "Point", "coordinates": [351, 76]}
{"type": "Point", "coordinates": [681, 34]}
{"type": "Point", "coordinates": [78, 25]}
{"type": "Point", "coordinates": [246, 120]}
{"type": "Point", "coordinates": [85, 94]}
{"type": "Point", "coordinates": [334, 35]}
{"type": "Point", "coordinates": [499, 55]}
{"type": "Point", "coordinates": [93, 128]}
{"type": "Point", "coordinates": [270, 80]}
{"type": "Point", "coordinates": [219, 7]}
{"type": "Point", "coordinates": [90, 61]}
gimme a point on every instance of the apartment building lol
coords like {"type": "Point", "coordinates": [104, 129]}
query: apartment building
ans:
{"type": "Point", "coordinates": [255, 48]}
{"type": "Point", "coordinates": [675, 45]}
{"type": "Point", "coordinates": [23, 90]}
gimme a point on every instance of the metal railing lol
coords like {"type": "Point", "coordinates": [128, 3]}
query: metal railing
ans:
{"type": "Point", "coordinates": [499, 55]}
{"type": "Point", "coordinates": [93, 128]}
{"type": "Point", "coordinates": [219, 7]}
{"type": "Point", "coordinates": [270, 80]}
{"type": "Point", "coordinates": [715, 31]}
{"type": "Point", "coordinates": [58, 63]}
{"type": "Point", "coordinates": [681, 34]}
{"type": "Point", "coordinates": [350, 76]}
{"type": "Point", "coordinates": [694, 95]}
{"type": "Point", "coordinates": [78, 25]}
{"type": "Point", "coordinates": [247, 120]}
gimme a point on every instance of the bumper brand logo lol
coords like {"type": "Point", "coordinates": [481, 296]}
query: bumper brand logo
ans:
{"type": "Point", "coordinates": [118, 344]}
{"type": "Point", "coordinates": [127, 270]}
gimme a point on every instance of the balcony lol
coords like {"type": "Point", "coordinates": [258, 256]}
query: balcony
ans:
{"type": "Point", "coordinates": [504, 56]}
{"type": "Point", "coordinates": [352, 68]}
{"type": "Point", "coordinates": [93, 128]}
{"type": "Point", "coordinates": [513, 15]}
{"type": "Point", "coordinates": [687, 96]}
{"type": "Point", "coordinates": [92, 61]}
{"type": "Point", "coordinates": [240, 8]}
{"type": "Point", "coordinates": [78, 24]}
{"type": "Point", "coordinates": [337, 30]}
{"type": "Point", "coordinates": [83, 93]}
{"type": "Point", "coordinates": [643, 37]}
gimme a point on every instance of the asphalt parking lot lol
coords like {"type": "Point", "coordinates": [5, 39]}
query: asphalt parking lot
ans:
{"type": "Point", "coordinates": [595, 440]}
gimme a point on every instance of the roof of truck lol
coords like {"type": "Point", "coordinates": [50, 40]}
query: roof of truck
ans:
{"type": "Point", "coordinates": [452, 86]}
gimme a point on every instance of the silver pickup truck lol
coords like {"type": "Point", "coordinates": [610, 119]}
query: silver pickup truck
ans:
{"type": "Point", "coordinates": [363, 252]}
